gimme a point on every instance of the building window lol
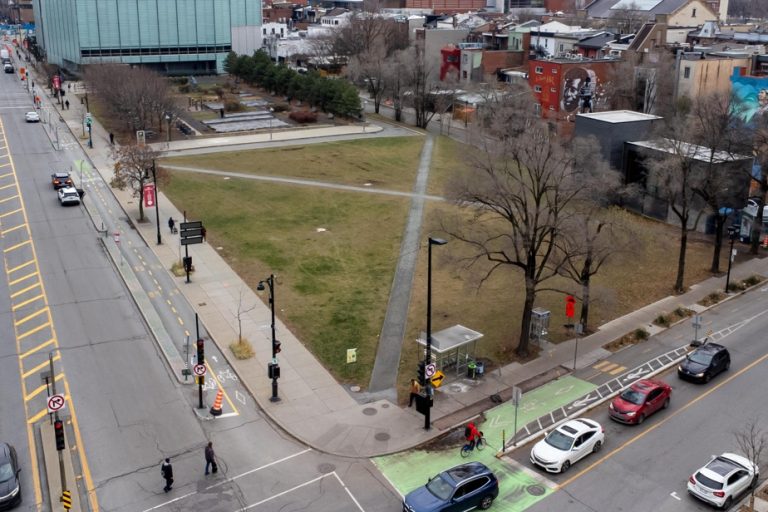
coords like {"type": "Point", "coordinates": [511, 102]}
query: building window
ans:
{"type": "Point", "coordinates": [539, 70]}
{"type": "Point", "coordinates": [552, 89]}
{"type": "Point", "coordinates": [464, 75]}
{"type": "Point", "coordinates": [464, 58]}
{"type": "Point", "coordinates": [693, 14]}
{"type": "Point", "coordinates": [554, 71]}
{"type": "Point", "coordinates": [551, 107]}
{"type": "Point", "coordinates": [536, 88]}
{"type": "Point", "coordinates": [687, 72]}
{"type": "Point", "coordinates": [537, 109]}
{"type": "Point", "coordinates": [265, 31]}
{"type": "Point", "coordinates": [561, 48]}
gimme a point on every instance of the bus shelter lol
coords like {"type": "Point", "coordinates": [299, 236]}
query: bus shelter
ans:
{"type": "Point", "coordinates": [453, 347]}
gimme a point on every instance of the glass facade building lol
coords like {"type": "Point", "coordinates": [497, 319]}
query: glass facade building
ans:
{"type": "Point", "coordinates": [172, 36]}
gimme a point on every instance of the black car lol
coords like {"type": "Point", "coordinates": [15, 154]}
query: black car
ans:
{"type": "Point", "coordinates": [704, 363]}
{"type": "Point", "coordinates": [463, 487]}
{"type": "Point", "coordinates": [10, 487]}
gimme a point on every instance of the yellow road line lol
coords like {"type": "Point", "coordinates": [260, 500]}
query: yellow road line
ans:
{"type": "Point", "coordinates": [90, 489]}
{"type": "Point", "coordinates": [40, 389]}
{"type": "Point", "coordinates": [19, 306]}
{"type": "Point", "coordinates": [181, 322]}
{"type": "Point", "coordinates": [601, 364]}
{"type": "Point", "coordinates": [37, 348]}
{"type": "Point", "coordinates": [226, 395]}
{"type": "Point", "coordinates": [8, 186]}
{"type": "Point", "coordinates": [17, 210]}
{"type": "Point", "coordinates": [662, 422]}
{"type": "Point", "coordinates": [40, 366]}
{"type": "Point", "coordinates": [9, 198]}
{"type": "Point", "coordinates": [16, 281]}
{"type": "Point", "coordinates": [33, 331]}
{"type": "Point", "coordinates": [14, 247]}
{"type": "Point", "coordinates": [34, 419]}
{"type": "Point", "coordinates": [618, 370]}
{"type": "Point", "coordinates": [14, 269]}
{"type": "Point", "coordinates": [10, 230]}
{"type": "Point", "coordinates": [30, 317]}
{"type": "Point", "coordinates": [25, 290]}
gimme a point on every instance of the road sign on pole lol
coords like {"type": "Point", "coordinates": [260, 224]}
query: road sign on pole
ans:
{"type": "Point", "coordinates": [199, 370]}
{"type": "Point", "coordinates": [56, 403]}
{"type": "Point", "coordinates": [430, 370]}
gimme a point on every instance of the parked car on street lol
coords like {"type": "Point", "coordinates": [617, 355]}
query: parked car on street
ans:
{"type": "Point", "coordinates": [32, 117]}
{"type": "Point", "coordinates": [723, 479]}
{"type": "Point", "coordinates": [10, 487]}
{"type": "Point", "coordinates": [639, 401]}
{"type": "Point", "coordinates": [464, 487]}
{"type": "Point", "coordinates": [704, 363]}
{"type": "Point", "coordinates": [568, 443]}
{"type": "Point", "coordinates": [61, 179]}
{"type": "Point", "coordinates": [69, 196]}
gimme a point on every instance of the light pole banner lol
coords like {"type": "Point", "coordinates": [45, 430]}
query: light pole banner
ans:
{"type": "Point", "coordinates": [149, 195]}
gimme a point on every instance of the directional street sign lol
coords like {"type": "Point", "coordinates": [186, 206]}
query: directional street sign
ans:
{"type": "Point", "coordinates": [56, 403]}
{"type": "Point", "coordinates": [199, 370]}
{"type": "Point", "coordinates": [430, 370]}
{"type": "Point", "coordinates": [437, 379]}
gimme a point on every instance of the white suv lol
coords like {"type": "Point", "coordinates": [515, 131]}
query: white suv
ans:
{"type": "Point", "coordinates": [723, 479]}
{"type": "Point", "coordinates": [68, 195]}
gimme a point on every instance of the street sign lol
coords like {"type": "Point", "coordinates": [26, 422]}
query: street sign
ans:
{"type": "Point", "coordinates": [56, 403]}
{"type": "Point", "coordinates": [430, 370]}
{"type": "Point", "coordinates": [437, 379]}
{"type": "Point", "coordinates": [199, 370]}
{"type": "Point", "coordinates": [517, 395]}
{"type": "Point", "coordinates": [149, 195]}
{"type": "Point", "coordinates": [192, 240]}
{"type": "Point", "coordinates": [195, 224]}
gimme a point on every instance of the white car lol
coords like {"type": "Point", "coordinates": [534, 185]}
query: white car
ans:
{"type": "Point", "coordinates": [32, 117]}
{"type": "Point", "coordinates": [723, 479]}
{"type": "Point", "coordinates": [69, 195]}
{"type": "Point", "coordinates": [568, 443]}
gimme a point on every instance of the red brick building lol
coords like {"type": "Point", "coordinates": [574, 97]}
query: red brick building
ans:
{"type": "Point", "coordinates": [450, 62]}
{"type": "Point", "coordinates": [446, 6]}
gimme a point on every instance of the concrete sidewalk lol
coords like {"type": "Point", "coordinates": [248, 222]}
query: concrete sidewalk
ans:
{"type": "Point", "coordinates": [314, 408]}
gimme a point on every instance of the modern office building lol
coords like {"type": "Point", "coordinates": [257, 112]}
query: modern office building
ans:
{"type": "Point", "coordinates": [172, 36]}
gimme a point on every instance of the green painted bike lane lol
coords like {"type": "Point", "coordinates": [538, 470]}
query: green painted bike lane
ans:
{"type": "Point", "coordinates": [411, 469]}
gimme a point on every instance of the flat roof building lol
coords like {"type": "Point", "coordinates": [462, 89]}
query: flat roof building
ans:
{"type": "Point", "coordinates": [172, 36]}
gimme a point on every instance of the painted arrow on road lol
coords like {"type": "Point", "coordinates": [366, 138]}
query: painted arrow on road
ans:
{"type": "Point", "coordinates": [581, 402]}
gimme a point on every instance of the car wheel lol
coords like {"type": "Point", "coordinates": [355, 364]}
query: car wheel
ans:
{"type": "Point", "coordinates": [640, 419]}
{"type": "Point", "coordinates": [486, 502]}
{"type": "Point", "coordinates": [706, 377]}
{"type": "Point", "coordinates": [565, 466]}
{"type": "Point", "coordinates": [727, 366]}
{"type": "Point", "coordinates": [727, 503]}
{"type": "Point", "coordinates": [597, 447]}
{"type": "Point", "coordinates": [666, 404]}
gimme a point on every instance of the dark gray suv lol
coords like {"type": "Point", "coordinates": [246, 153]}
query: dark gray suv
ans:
{"type": "Point", "coordinates": [10, 487]}
{"type": "Point", "coordinates": [704, 363]}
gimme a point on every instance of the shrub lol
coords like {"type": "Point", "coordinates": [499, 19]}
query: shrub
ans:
{"type": "Point", "coordinates": [233, 105]}
{"type": "Point", "coordinates": [241, 349]}
{"type": "Point", "coordinates": [681, 312]}
{"type": "Point", "coordinates": [752, 280]}
{"type": "Point", "coordinates": [185, 89]}
{"type": "Point", "coordinates": [281, 107]}
{"type": "Point", "coordinates": [662, 320]}
{"type": "Point", "coordinates": [641, 334]}
{"type": "Point", "coordinates": [303, 116]}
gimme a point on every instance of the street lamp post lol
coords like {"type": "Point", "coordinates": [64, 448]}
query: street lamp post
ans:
{"type": "Point", "coordinates": [273, 369]}
{"type": "Point", "coordinates": [732, 232]}
{"type": "Point", "coordinates": [428, 356]}
{"type": "Point", "coordinates": [271, 115]}
{"type": "Point", "coordinates": [168, 120]}
{"type": "Point", "coordinates": [157, 207]}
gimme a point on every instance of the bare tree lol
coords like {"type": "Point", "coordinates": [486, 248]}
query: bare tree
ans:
{"type": "Point", "coordinates": [418, 71]}
{"type": "Point", "coordinates": [518, 190]}
{"type": "Point", "coordinates": [241, 310]}
{"type": "Point", "coordinates": [628, 18]}
{"type": "Point", "coordinates": [370, 67]}
{"type": "Point", "coordinates": [752, 441]}
{"type": "Point", "coordinates": [760, 178]}
{"type": "Point", "coordinates": [642, 82]}
{"type": "Point", "coordinates": [132, 166]}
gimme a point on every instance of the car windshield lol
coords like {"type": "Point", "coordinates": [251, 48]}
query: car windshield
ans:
{"type": "Point", "coordinates": [6, 472]}
{"type": "Point", "coordinates": [633, 397]}
{"type": "Point", "coordinates": [440, 488]}
{"type": "Point", "coordinates": [708, 482]}
{"type": "Point", "coordinates": [700, 358]}
{"type": "Point", "coordinates": [559, 440]}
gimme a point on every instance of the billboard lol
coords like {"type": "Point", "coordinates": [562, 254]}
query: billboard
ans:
{"type": "Point", "coordinates": [751, 94]}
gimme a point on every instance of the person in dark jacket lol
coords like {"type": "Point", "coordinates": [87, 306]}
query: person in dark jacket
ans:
{"type": "Point", "coordinates": [167, 471]}
{"type": "Point", "coordinates": [171, 224]}
{"type": "Point", "coordinates": [210, 458]}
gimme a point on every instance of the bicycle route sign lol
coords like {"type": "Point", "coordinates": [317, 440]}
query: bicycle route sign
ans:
{"type": "Point", "coordinates": [55, 403]}
{"type": "Point", "coordinates": [199, 370]}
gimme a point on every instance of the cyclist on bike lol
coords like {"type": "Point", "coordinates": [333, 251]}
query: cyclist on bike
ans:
{"type": "Point", "coordinates": [472, 434]}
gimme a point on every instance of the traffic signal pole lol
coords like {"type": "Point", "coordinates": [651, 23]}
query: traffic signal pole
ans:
{"type": "Point", "coordinates": [58, 429]}
{"type": "Point", "coordinates": [200, 360]}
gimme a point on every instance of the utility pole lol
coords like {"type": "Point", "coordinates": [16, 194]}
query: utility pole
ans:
{"type": "Point", "coordinates": [58, 428]}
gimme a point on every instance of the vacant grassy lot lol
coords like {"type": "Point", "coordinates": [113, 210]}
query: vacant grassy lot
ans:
{"type": "Point", "coordinates": [334, 284]}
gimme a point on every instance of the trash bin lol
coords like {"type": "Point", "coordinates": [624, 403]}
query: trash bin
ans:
{"type": "Point", "coordinates": [472, 370]}
{"type": "Point", "coordinates": [480, 369]}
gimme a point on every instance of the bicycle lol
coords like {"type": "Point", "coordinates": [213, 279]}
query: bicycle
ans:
{"type": "Point", "coordinates": [478, 443]}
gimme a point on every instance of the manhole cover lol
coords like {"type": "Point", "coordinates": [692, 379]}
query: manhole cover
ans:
{"type": "Point", "coordinates": [384, 406]}
{"type": "Point", "coordinates": [382, 436]}
{"type": "Point", "coordinates": [535, 490]}
{"type": "Point", "coordinates": [369, 411]}
{"type": "Point", "coordinates": [326, 468]}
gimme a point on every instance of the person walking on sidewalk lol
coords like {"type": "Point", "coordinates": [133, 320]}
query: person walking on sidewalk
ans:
{"type": "Point", "coordinates": [171, 224]}
{"type": "Point", "coordinates": [210, 458]}
{"type": "Point", "coordinates": [167, 471]}
{"type": "Point", "coordinates": [111, 139]}
{"type": "Point", "coordinates": [66, 105]}
{"type": "Point", "coordinates": [415, 390]}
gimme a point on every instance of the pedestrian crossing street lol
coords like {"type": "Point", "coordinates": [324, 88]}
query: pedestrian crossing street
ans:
{"type": "Point", "coordinates": [606, 366]}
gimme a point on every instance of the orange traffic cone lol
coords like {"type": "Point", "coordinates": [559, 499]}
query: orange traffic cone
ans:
{"type": "Point", "coordinates": [216, 407]}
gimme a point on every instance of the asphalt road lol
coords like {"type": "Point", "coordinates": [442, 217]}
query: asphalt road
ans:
{"type": "Point", "coordinates": [131, 411]}
{"type": "Point", "coordinates": [646, 467]}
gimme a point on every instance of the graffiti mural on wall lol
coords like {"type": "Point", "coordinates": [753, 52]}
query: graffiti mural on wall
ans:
{"type": "Point", "coordinates": [751, 93]}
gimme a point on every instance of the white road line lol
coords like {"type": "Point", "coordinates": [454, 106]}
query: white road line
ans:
{"type": "Point", "coordinates": [285, 492]}
{"type": "Point", "coordinates": [230, 479]}
{"type": "Point", "coordinates": [348, 491]}
{"type": "Point", "coordinates": [674, 495]}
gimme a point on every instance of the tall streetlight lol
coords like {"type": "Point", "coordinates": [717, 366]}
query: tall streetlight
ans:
{"type": "Point", "coordinates": [168, 120]}
{"type": "Point", "coordinates": [157, 208]}
{"type": "Point", "coordinates": [428, 357]}
{"type": "Point", "coordinates": [271, 115]}
{"type": "Point", "coordinates": [273, 369]}
{"type": "Point", "coordinates": [732, 232]}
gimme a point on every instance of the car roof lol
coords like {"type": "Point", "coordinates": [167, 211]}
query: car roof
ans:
{"type": "Point", "coordinates": [61, 174]}
{"type": "Point", "coordinates": [578, 426]}
{"type": "Point", "coordinates": [711, 348]}
{"type": "Point", "coordinates": [68, 190]}
{"type": "Point", "coordinates": [5, 451]}
{"type": "Point", "coordinates": [645, 385]}
{"type": "Point", "coordinates": [458, 474]}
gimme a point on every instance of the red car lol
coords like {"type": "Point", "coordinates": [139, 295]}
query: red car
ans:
{"type": "Point", "coordinates": [639, 401]}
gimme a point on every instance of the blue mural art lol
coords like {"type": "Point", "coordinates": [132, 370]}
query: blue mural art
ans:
{"type": "Point", "coordinates": [751, 93]}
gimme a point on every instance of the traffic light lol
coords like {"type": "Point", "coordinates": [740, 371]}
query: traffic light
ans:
{"type": "Point", "coordinates": [276, 347]}
{"type": "Point", "coordinates": [58, 428]}
{"type": "Point", "coordinates": [200, 351]}
{"type": "Point", "coordinates": [421, 374]}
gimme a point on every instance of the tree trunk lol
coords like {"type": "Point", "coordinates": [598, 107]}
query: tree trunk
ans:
{"type": "Point", "coordinates": [585, 273]}
{"type": "Point", "coordinates": [719, 224]}
{"type": "Point", "coordinates": [681, 257]}
{"type": "Point", "coordinates": [525, 329]}
{"type": "Point", "coordinates": [141, 200]}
